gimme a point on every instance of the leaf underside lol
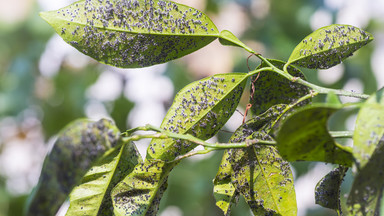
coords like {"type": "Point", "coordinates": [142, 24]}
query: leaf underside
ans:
{"type": "Point", "coordinates": [369, 128]}
{"type": "Point", "coordinates": [132, 33]}
{"type": "Point", "coordinates": [271, 88]}
{"type": "Point", "coordinates": [304, 136]}
{"type": "Point", "coordinates": [201, 109]}
{"type": "Point", "coordinates": [78, 146]}
{"type": "Point", "coordinates": [328, 46]}
{"type": "Point", "coordinates": [327, 191]}
{"type": "Point", "coordinates": [366, 193]}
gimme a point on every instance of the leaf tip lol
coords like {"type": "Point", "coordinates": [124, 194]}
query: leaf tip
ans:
{"type": "Point", "coordinates": [45, 15]}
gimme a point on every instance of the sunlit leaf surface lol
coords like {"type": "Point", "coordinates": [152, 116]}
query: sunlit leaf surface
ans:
{"type": "Point", "coordinates": [92, 196]}
{"type": "Point", "coordinates": [140, 192]}
{"type": "Point", "coordinates": [258, 173]}
{"type": "Point", "coordinates": [132, 33]}
{"type": "Point", "coordinates": [328, 46]}
{"type": "Point", "coordinates": [264, 179]}
{"type": "Point", "coordinates": [223, 190]}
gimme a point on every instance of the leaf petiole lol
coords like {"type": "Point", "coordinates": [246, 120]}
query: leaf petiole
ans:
{"type": "Point", "coordinates": [319, 89]}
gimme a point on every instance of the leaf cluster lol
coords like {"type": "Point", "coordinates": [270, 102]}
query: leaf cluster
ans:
{"type": "Point", "coordinates": [103, 173]}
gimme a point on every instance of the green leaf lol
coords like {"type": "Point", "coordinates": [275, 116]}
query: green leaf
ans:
{"type": "Point", "coordinates": [223, 190]}
{"type": "Point", "coordinates": [366, 193]}
{"type": "Point", "coordinates": [369, 128]}
{"type": "Point", "coordinates": [328, 46]}
{"type": "Point", "coordinates": [131, 34]}
{"type": "Point", "coordinates": [234, 162]}
{"type": "Point", "coordinates": [264, 179]}
{"type": "Point", "coordinates": [304, 136]}
{"type": "Point", "coordinates": [92, 197]}
{"type": "Point", "coordinates": [140, 192]}
{"type": "Point", "coordinates": [227, 38]}
{"type": "Point", "coordinates": [327, 191]}
{"type": "Point", "coordinates": [78, 146]}
{"type": "Point", "coordinates": [201, 109]}
{"type": "Point", "coordinates": [271, 88]}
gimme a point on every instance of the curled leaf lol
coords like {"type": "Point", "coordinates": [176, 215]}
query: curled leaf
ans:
{"type": "Point", "coordinates": [78, 146]}
{"type": "Point", "coordinates": [132, 33]}
{"type": "Point", "coordinates": [327, 191]}
{"type": "Point", "coordinates": [328, 46]}
{"type": "Point", "coordinates": [304, 136]}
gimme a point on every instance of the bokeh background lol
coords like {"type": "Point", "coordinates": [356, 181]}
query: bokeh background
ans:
{"type": "Point", "coordinates": [45, 84]}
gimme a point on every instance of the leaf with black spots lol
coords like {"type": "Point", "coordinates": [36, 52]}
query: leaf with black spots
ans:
{"type": "Point", "coordinates": [140, 191]}
{"type": "Point", "coordinates": [200, 109]}
{"type": "Point", "coordinates": [132, 33]}
{"type": "Point", "coordinates": [223, 190]}
{"type": "Point", "coordinates": [236, 176]}
{"type": "Point", "coordinates": [271, 88]}
{"type": "Point", "coordinates": [78, 146]}
{"type": "Point", "coordinates": [366, 196]}
{"type": "Point", "coordinates": [327, 191]}
{"type": "Point", "coordinates": [329, 46]}
{"type": "Point", "coordinates": [93, 195]}
{"type": "Point", "coordinates": [264, 178]}
{"type": "Point", "coordinates": [369, 128]}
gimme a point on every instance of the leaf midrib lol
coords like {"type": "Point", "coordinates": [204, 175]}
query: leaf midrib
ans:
{"type": "Point", "coordinates": [216, 34]}
{"type": "Point", "coordinates": [266, 180]}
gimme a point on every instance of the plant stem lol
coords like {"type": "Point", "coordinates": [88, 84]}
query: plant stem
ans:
{"type": "Point", "coordinates": [341, 134]}
{"type": "Point", "coordinates": [251, 73]}
{"type": "Point", "coordinates": [323, 90]}
{"type": "Point", "coordinates": [163, 134]}
{"type": "Point", "coordinates": [319, 89]}
{"type": "Point", "coordinates": [190, 154]}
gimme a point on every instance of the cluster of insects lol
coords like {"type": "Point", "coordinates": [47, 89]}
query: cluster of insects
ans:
{"type": "Point", "coordinates": [204, 98]}
{"type": "Point", "coordinates": [101, 29]}
{"type": "Point", "coordinates": [336, 37]}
